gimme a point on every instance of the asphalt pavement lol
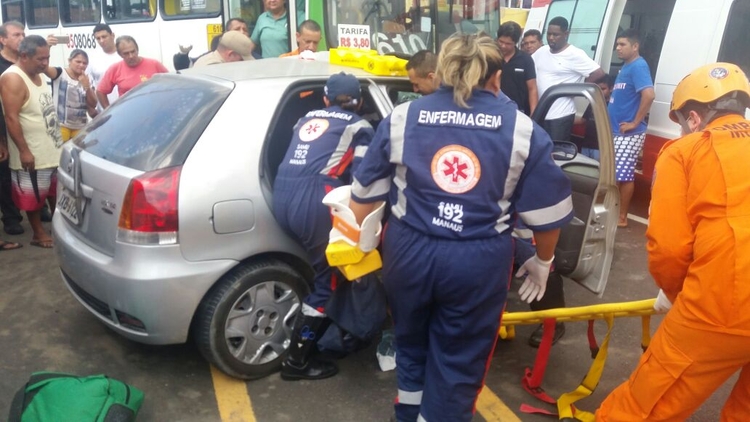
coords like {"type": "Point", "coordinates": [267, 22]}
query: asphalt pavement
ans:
{"type": "Point", "coordinates": [45, 328]}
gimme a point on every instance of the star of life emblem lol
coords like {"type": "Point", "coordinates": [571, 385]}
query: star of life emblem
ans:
{"type": "Point", "coordinates": [455, 169]}
{"type": "Point", "coordinates": [313, 129]}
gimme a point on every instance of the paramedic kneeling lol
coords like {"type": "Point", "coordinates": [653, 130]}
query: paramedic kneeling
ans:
{"type": "Point", "coordinates": [698, 237]}
{"type": "Point", "coordinates": [326, 145]}
{"type": "Point", "coordinates": [455, 167]}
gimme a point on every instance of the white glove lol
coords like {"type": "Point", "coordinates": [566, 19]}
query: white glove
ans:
{"type": "Point", "coordinates": [184, 49]}
{"type": "Point", "coordinates": [537, 272]}
{"type": "Point", "coordinates": [662, 303]}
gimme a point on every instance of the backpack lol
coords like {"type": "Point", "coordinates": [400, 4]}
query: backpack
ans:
{"type": "Point", "coordinates": [50, 396]}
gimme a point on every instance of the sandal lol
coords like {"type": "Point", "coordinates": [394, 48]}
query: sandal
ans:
{"type": "Point", "coordinates": [9, 246]}
{"type": "Point", "coordinates": [45, 244]}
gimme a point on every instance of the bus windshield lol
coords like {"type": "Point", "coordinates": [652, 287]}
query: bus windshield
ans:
{"type": "Point", "coordinates": [406, 26]}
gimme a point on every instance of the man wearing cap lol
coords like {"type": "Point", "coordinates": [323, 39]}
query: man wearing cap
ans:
{"type": "Point", "coordinates": [326, 147]}
{"type": "Point", "coordinates": [234, 46]}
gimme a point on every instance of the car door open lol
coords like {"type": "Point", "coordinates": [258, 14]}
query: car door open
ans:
{"type": "Point", "coordinates": [585, 249]}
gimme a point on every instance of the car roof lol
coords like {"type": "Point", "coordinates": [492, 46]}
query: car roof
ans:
{"type": "Point", "coordinates": [293, 67]}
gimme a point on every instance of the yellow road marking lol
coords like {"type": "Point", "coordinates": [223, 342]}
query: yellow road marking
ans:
{"type": "Point", "coordinates": [232, 398]}
{"type": "Point", "coordinates": [493, 409]}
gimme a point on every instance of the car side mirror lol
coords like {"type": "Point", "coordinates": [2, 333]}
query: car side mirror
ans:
{"type": "Point", "coordinates": [564, 150]}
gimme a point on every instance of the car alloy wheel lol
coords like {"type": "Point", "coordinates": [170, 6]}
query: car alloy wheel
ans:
{"type": "Point", "coordinates": [244, 323]}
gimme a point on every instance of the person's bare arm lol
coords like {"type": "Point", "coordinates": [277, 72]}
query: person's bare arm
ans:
{"type": "Point", "coordinates": [595, 75]}
{"type": "Point", "coordinates": [545, 243]}
{"type": "Point", "coordinates": [647, 98]}
{"type": "Point", "coordinates": [85, 82]}
{"type": "Point", "coordinates": [51, 73]}
{"type": "Point", "coordinates": [361, 210]}
{"type": "Point", "coordinates": [533, 95]}
{"type": "Point", "coordinates": [103, 100]}
{"type": "Point", "coordinates": [14, 94]}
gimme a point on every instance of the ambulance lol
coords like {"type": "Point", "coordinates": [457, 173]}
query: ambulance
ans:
{"type": "Point", "coordinates": [677, 36]}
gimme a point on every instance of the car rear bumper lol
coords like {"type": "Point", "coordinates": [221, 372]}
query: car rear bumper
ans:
{"type": "Point", "coordinates": [145, 293]}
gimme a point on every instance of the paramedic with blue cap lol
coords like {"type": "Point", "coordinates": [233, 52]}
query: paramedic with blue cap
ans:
{"type": "Point", "coordinates": [327, 144]}
{"type": "Point", "coordinates": [455, 166]}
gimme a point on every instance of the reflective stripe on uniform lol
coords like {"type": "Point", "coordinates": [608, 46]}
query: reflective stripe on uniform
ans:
{"type": "Point", "coordinates": [548, 215]}
{"type": "Point", "coordinates": [398, 130]}
{"type": "Point", "coordinates": [421, 418]}
{"type": "Point", "coordinates": [360, 151]}
{"type": "Point", "coordinates": [338, 158]}
{"type": "Point", "coordinates": [410, 397]}
{"type": "Point", "coordinates": [377, 188]}
{"type": "Point", "coordinates": [519, 153]}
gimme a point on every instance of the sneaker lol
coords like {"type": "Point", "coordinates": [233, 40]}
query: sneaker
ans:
{"type": "Point", "coordinates": [13, 229]}
{"type": "Point", "coordinates": [536, 337]}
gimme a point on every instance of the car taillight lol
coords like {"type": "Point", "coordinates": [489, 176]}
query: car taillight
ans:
{"type": "Point", "coordinates": [149, 210]}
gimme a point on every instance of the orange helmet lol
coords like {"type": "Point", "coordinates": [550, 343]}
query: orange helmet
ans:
{"type": "Point", "coordinates": [707, 84]}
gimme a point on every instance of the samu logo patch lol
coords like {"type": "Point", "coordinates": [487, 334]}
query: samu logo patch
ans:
{"type": "Point", "coordinates": [456, 169]}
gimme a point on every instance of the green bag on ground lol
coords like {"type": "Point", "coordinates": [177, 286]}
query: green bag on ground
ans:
{"type": "Point", "coordinates": [52, 397]}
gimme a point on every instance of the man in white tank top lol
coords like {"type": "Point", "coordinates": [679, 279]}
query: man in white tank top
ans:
{"type": "Point", "coordinates": [34, 134]}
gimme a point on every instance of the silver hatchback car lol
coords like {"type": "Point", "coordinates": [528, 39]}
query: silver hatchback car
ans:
{"type": "Point", "coordinates": [165, 229]}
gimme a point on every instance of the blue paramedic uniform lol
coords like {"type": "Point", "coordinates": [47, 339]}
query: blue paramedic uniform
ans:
{"type": "Point", "coordinates": [326, 145]}
{"type": "Point", "coordinates": [454, 178]}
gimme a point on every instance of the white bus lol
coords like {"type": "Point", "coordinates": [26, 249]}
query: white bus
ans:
{"type": "Point", "coordinates": [161, 26]}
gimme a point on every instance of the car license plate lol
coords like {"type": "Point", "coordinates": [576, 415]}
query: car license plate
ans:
{"type": "Point", "coordinates": [66, 204]}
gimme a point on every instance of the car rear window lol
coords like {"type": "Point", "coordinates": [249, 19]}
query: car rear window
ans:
{"type": "Point", "coordinates": [156, 124]}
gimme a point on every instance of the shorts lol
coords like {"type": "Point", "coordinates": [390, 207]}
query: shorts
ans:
{"type": "Point", "coordinates": [24, 194]}
{"type": "Point", "coordinates": [68, 133]}
{"type": "Point", "coordinates": [627, 150]}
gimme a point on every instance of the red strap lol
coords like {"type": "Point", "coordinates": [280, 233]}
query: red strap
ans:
{"type": "Point", "coordinates": [532, 379]}
{"type": "Point", "coordinates": [592, 340]}
{"type": "Point", "coordinates": [525, 408]}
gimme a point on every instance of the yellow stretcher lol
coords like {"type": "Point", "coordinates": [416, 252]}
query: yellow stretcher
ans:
{"type": "Point", "coordinates": [608, 312]}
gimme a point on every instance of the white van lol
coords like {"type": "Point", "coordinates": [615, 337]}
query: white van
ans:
{"type": "Point", "coordinates": [677, 36]}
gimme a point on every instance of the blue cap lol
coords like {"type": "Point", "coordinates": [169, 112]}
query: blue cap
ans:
{"type": "Point", "coordinates": [343, 84]}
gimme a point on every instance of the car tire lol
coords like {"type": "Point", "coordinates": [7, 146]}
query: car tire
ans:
{"type": "Point", "coordinates": [244, 323]}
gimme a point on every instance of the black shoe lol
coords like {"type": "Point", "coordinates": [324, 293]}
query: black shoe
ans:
{"type": "Point", "coordinates": [536, 337]}
{"type": "Point", "coordinates": [299, 363]}
{"type": "Point", "coordinates": [13, 229]}
{"type": "Point", "coordinates": [313, 370]}
{"type": "Point", "coordinates": [46, 215]}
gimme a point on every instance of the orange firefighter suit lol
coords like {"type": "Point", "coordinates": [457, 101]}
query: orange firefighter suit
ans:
{"type": "Point", "coordinates": [699, 254]}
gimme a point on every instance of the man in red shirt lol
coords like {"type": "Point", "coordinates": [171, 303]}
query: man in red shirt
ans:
{"type": "Point", "coordinates": [125, 75]}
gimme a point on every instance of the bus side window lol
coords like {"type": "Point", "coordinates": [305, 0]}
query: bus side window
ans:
{"type": "Point", "coordinates": [42, 13]}
{"type": "Point", "coordinates": [129, 10]}
{"type": "Point", "coordinates": [734, 46]}
{"type": "Point", "coordinates": [174, 9]}
{"type": "Point", "coordinates": [79, 12]}
{"type": "Point", "coordinates": [12, 10]}
{"type": "Point", "coordinates": [584, 19]}
{"type": "Point", "coordinates": [247, 10]}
